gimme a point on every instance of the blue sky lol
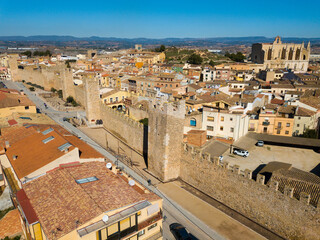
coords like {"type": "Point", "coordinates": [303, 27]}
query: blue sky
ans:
{"type": "Point", "coordinates": [160, 19]}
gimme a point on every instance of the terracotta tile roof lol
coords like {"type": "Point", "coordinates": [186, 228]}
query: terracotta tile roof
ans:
{"type": "Point", "coordinates": [300, 111]}
{"type": "Point", "coordinates": [12, 122]}
{"type": "Point", "coordinates": [59, 200]}
{"type": "Point", "coordinates": [277, 101]}
{"type": "Point", "coordinates": [14, 99]}
{"type": "Point", "coordinates": [33, 154]}
{"type": "Point", "coordinates": [26, 206]}
{"type": "Point", "coordinates": [85, 150]}
{"type": "Point", "coordinates": [10, 224]}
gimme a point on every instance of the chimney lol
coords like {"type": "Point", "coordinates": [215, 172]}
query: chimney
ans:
{"type": "Point", "coordinates": [14, 157]}
{"type": "Point", "coordinates": [7, 144]}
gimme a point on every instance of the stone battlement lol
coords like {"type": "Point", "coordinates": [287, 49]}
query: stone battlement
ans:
{"type": "Point", "coordinates": [121, 116]}
{"type": "Point", "coordinates": [175, 109]}
{"type": "Point", "coordinates": [287, 190]}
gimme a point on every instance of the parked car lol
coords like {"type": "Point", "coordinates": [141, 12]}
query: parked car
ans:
{"type": "Point", "coordinates": [242, 153]}
{"type": "Point", "coordinates": [179, 232]}
{"type": "Point", "coordinates": [260, 143]}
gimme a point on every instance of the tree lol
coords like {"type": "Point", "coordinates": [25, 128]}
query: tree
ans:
{"type": "Point", "coordinates": [71, 100]}
{"type": "Point", "coordinates": [144, 121]}
{"type": "Point", "coordinates": [53, 90]}
{"type": "Point", "coordinates": [27, 53]}
{"type": "Point", "coordinates": [195, 59]}
{"type": "Point", "coordinates": [60, 93]}
{"type": "Point", "coordinates": [31, 89]}
{"type": "Point", "coordinates": [309, 133]}
{"type": "Point", "coordinates": [238, 57]}
{"type": "Point", "coordinates": [212, 63]}
{"type": "Point", "coordinates": [162, 48]}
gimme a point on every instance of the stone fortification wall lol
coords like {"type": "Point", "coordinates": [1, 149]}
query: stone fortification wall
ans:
{"type": "Point", "coordinates": [124, 135]}
{"type": "Point", "coordinates": [137, 113]}
{"type": "Point", "coordinates": [79, 94]}
{"type": "Point", "coordinates": [280, 212]}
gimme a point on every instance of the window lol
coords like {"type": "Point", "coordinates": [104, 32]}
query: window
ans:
{"type": "Point", "coordinates": [48, 139]}
{"type": "Point", "coordinates": [298, 125]}
{"type": "Point", "coordinates": [124, 224]}
{"type": "Point", "coordinates": [231, 119]}
{"type": "Point", "coordinates": [152, 226]}
{"type": "Point", "coordinates": [288, 124]}
{"type": "Point", "coordinates": [210, 119]}
{"type": "Point", "coordinates": [113, 229]}
{"type": "Point", "coordinates": [141, 233]}
{"type": "Point", "coordinates": [193, 122]}
{"type": "Point", "coordinates": [117, 99]}
{"type": "Point", "coordinates": [279, 124]}
{"type": "Point", "coordinates": [209, 136]}
{"type": "Point", "coordinates": [210, 128]}
{"type": "Point", "coordinates": [111, 99]}
{"type": "Point", "coordinates": [221, 128]}
{"type": "Point", "coordinates": [222, 119]}
{"type": "Point", "coordinates": [26, 107]}
{"type": "Point", "coordinates": [286, 132]}
{"type": "Point", "coordinates": [278, 131]}
{"type": "Point", "coordinates": [231, 130]}
{"type": "Point", "coordinates": [86, 180]}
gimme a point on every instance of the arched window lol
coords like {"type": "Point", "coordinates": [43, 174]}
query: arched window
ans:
{"type": "Point", "coordinates": [304, 57]}
{"type": "Point", "coordinates": [290, 54]}
{"type": "Point", "coordinates": [283, 55]}
{"type": "Point", "coordinates": [193, 122]}
{"type": "Point", "coordinates": [298, 54]}
{"type": "Point", "coordinates": [269, 54]}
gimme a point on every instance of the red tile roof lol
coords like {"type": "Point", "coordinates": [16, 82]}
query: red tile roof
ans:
{"type": "Point", "coordinates": [27, 207]}
{"type": "Point", "coordinates": [10, 224]}
{"type": "Point", "coordinates": [12, 122]}
{"type": "Point", "coordinates": [59, 200]}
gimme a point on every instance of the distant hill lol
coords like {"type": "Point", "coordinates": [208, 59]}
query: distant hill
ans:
{"type": "Point", "coordinates": [129, 42]}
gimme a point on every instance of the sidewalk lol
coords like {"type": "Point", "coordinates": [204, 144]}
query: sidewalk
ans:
{"type": "Point", "coordinates": [214, 218]}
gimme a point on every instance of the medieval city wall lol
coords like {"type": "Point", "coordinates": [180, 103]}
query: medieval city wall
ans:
{"type": "Point", "coordinates": [79, 95]}
{"type": "Point", "coordinates": [280, 212]}
{"type": "Point", "coordinates": [124, 135]}
{"type": "Point", "coordinates": [137, 113]}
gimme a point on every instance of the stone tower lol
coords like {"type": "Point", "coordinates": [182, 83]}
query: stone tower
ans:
{"type": "Point", "coordinates": [165, 137]}
{"type": "Point", "coordinates": [67, 82]}
{"type": "Point", "coordinates": [92, 99]}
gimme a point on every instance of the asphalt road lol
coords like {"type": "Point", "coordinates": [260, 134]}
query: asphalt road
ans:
{"type": "Point", "coordinates": [172, 211]}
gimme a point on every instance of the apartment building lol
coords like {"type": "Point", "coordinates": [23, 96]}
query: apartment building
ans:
{"type": "Point", "coordinates": [276, 121]}
{"type": "Point", "coordinates": [89, 201]}
{"type": "Point", "coordinates": [224, 123]}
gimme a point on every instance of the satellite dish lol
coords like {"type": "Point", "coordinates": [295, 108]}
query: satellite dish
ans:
{"type": "Point", "coordinates": [105, 218]}
{"type": "Point", "coordinates": [109, 165]}
{"type": "Point", "coordinates": [132, 183]}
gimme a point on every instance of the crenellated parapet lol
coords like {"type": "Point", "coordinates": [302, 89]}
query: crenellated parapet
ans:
{"type": "Point", "coordinates": [121, 116]}
{"type": "Point", "coordinates": [197, 156]}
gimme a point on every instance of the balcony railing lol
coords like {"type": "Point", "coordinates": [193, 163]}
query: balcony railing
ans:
{"type": "Point", "coordinates": [149, 221]}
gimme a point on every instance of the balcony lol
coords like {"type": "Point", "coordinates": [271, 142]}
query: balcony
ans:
{"type": "Point", "coordinates": [149, 221]}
